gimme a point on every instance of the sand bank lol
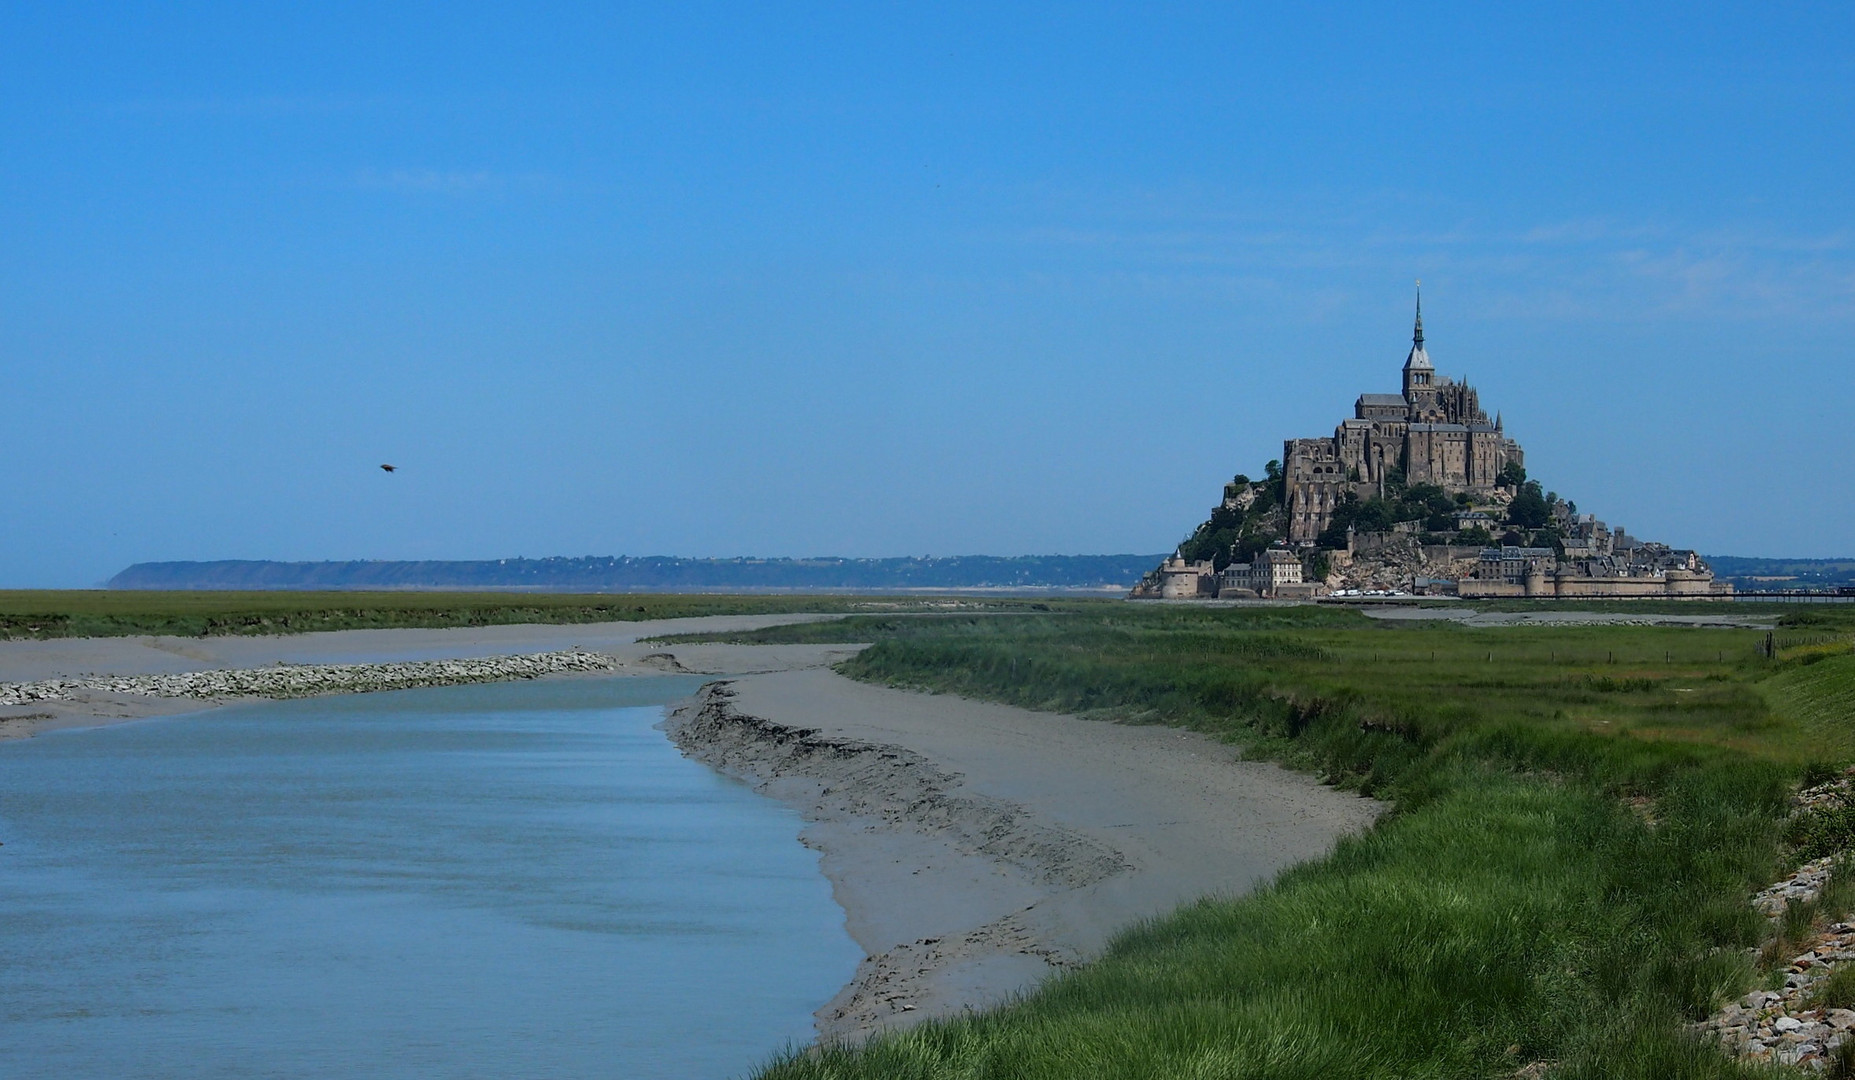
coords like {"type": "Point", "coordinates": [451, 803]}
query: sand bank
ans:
{"type": "Point", "coordinates": [977, 848]}
{"type": "Point", "coordinates": [105, 680]}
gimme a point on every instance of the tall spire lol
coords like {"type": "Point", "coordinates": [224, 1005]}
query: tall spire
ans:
{"type": "Point", "coordinates": [1419, 376]}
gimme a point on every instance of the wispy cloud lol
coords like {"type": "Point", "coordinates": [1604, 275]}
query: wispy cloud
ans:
{"type": "Point", "coordinates": [431, 181]}
{"type": "Point", "coordinates": [254, 107]}
{"type": "Point", "coordinates": [1584, 268]}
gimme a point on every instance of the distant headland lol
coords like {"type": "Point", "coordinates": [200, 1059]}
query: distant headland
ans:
{"type": "Point", "coordinates": [1416, 492]}
{"type": "Point", "coordinates": [655, 573]}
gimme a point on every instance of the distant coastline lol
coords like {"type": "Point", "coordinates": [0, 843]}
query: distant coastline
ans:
{"type": "Point", "coordinates": [654, 573]}
{"type": "Point", "coordinates": [1767, 575]}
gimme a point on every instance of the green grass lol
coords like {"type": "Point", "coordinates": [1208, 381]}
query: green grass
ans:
{"type": "Point", "coordinates": [112, 613]}
{"type": "Point", "coordinates": [1837, 991]}
{"type": "Point", "coordinates": [1579, 817]}
{"type": "Point", "coordinates": [1819, 692]}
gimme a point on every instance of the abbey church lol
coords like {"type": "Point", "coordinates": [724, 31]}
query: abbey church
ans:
{"type": "Point", "coordinates": [1410, 495]}
{"type": "Point", "coordinates": [1433, 433]}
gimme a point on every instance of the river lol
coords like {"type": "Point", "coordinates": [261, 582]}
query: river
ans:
{"type": "Point", "coordinates": [511, 880]}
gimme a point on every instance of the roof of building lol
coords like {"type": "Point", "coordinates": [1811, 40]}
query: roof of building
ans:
{"type": "Point", "coordinates": [1384, 399]}
{"type": "Point", "coordinates": [1439, 427]}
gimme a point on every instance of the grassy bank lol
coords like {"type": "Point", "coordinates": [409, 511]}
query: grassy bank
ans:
{"type": "Point", "coordinates": [111, 613]}
{"type": "Point", "coordinates": [1580, 814]}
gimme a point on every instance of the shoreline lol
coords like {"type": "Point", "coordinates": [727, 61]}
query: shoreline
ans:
{"type": "Point", "coordinates": [978, 849]}
{"type": "Point", "coordinates": [974, 849]}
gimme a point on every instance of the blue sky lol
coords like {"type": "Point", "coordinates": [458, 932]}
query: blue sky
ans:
{"type": "Point", "coordinates": [877, 280]}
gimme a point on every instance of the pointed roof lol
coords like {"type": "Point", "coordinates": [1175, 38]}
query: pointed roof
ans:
{"type": "Point", "coordinates": [1418, 358]}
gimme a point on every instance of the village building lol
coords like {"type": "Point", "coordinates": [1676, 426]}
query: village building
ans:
{"type": "Point", "coordinates": [1274, 572]}
{"type": "Point", "coordinates": [1177, 579]}
{"type": "Point", "coordinates": [1582, 569]}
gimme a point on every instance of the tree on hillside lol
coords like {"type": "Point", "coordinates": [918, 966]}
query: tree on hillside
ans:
{"type": "Point", "coordinates": [1315, 566]}
{"type": "Point", "coordinates": [1529, 510]}
{"type": "Point", "coordinates": [1238, 528]}
{"type": "Point", "coordinates": [1333, 537]}
{"type": "Point", "coordinates": [1431, 505]}
{"type": "Point", "coordinates": [1512, 475]}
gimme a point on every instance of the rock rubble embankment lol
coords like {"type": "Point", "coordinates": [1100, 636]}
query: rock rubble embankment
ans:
{"type": "Point", "coordinates": [1793, 1024]}
{"type": "Point", "coordinates": [309, 680]}
{"type": "Point", "coordinates": [1788, 1026]}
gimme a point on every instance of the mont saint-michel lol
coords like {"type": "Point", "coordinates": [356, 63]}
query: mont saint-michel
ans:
{"type": "Point", "coordinates": [1420, 491]}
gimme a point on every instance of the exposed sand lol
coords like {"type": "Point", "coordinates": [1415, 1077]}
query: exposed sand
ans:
{"type": "Point", "coordinates": [974, 848]}
{"type": "Point", "coordinates": [977, 848]}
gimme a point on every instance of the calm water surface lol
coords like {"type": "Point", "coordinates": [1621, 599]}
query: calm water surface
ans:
{"type": "Point", "coordinates": [518, 880]}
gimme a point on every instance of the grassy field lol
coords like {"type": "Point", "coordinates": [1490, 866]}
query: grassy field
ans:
{"type": "Point", "coordinates": [111, 613]}
{"type": "Point", "coordinates": [1580, 815]}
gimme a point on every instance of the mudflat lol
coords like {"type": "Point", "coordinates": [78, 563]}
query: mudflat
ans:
{"type": "Point", "coordinates": [978, 848]}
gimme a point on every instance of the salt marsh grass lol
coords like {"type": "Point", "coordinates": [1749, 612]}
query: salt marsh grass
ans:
{"type": "Point", "coordinates": [1580, 814]}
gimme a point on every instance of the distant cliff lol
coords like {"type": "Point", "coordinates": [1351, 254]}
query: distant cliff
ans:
{"type": "Point", "coordinates": [651, 574]}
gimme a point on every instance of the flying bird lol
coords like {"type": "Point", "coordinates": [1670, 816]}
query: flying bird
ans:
{"type": "Point", "coordinates": [389, 468]}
